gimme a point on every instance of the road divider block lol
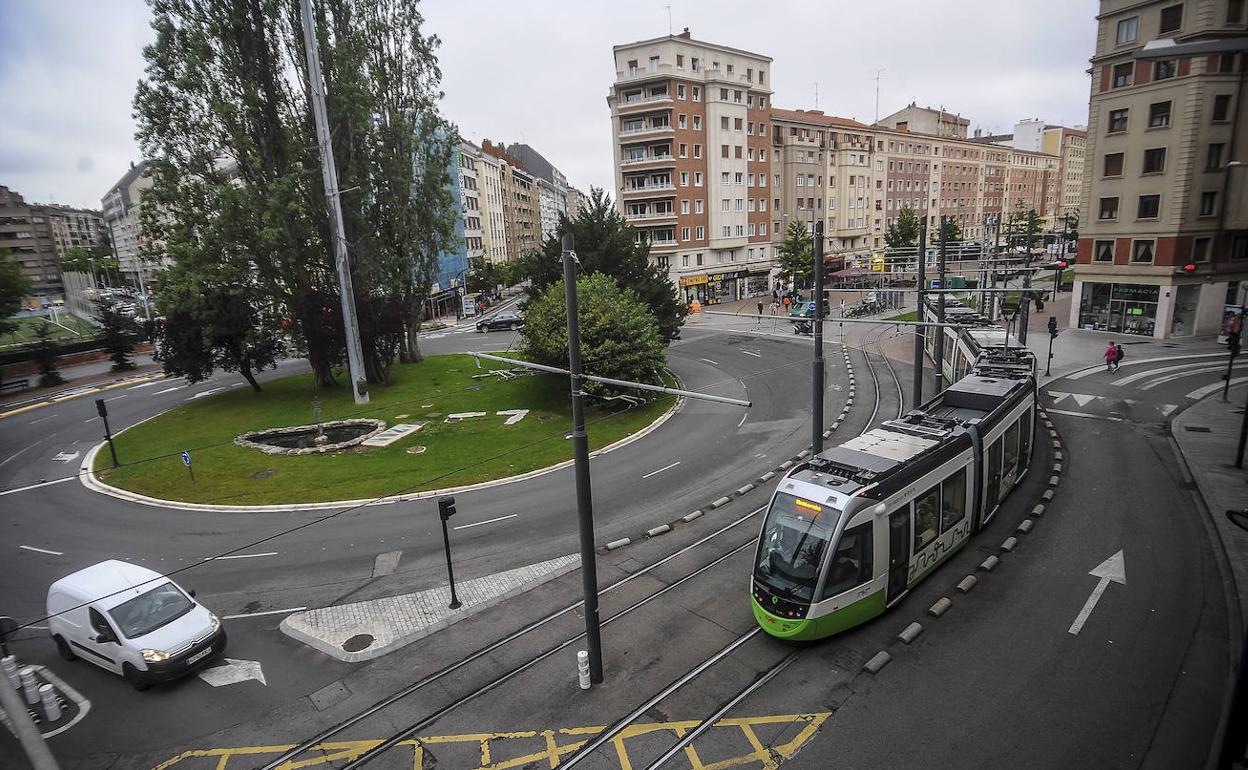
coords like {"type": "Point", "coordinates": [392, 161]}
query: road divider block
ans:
{"type": "Point", "coordinates": [967, 583]}
{"type": "Point", "coordinates": [614, 544]}
{"type": "Point", "coordinates": [720, 502]}
{"type": "Point", "coordinates": [659, 530]}
{"type": "Point", "coordinates": [877, 662]}
{"type": "Point", "coordinates": [768, 476]}
{"type": "Point", "coordinates": [1038, 510]}
{"type": "Point", "coordinates": [1057, 467]}
{"type": "Point", "coordinates": [990, 564]}
{"type": "Point", "coordinates": [1047, 496]}
{"type": "Point", "coordinates": [1025, 526]}
{"type": "Point", "coordinates": [688, 517]}
{"type": "Point", "coordinates": [1009, 544]}
{"type": "Point", "coordinates": [910, 633]}
{"type": "Point", "coordinates": [941, 606]}
{"type": "Point", "coordinates": [745, 489]}
{"type": "Point", "coordinates": [1058, 456]}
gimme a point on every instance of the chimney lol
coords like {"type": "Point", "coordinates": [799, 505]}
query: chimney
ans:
{"type": "Point", "coordinates": [684, 33]}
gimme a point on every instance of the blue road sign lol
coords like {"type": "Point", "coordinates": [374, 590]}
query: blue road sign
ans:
{"type": "Point", "coordinates": [186, 459]}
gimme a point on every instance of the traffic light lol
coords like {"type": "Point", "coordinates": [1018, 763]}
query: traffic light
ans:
{"type": "Point", "coordinates": [1062, 264]}
{"type": "Point", "coordinates": [1053, 327]}
{"type": "Point", "coordinates": [446, 507]}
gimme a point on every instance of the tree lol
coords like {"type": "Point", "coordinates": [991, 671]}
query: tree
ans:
{"type": "Point", "coordinates": [13, 286]}
{"type": "Point", "coordinates": [950, 231]}
{"type": "Point", "coordinates": [45, 356]}
{"type": "Point", "coordinates": [904, 231]}
{"type": "Point", "coordinates": [795, 254]}
{"type": "Point", "coordinates": [76, 260]}
{"type": "Point", "coordinates": [606, 243]}
{"type": "Point", "coordinates": [117, 332]}
{"type": "Point", "coordinates": [1023, 224]}
{"type": "Point", "coordinates": [620, 337]}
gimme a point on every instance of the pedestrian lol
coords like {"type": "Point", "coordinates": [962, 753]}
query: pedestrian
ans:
{"type": "Point", "coordinates": [775, 295]}
{"type": "Point", "coordinates": [786, 302]}
{"type": "Point", "coordinates": [775, 306]}
{"type": "Point", "coordinates": [1111, 357]}
{"type": "Point", "coordinates": [1118, 356]}
{"type": "Point", "coordinates": [760, 307]}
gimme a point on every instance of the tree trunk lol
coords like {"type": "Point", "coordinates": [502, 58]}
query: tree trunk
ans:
{"type": "Point", "coordinates": [245, 370]}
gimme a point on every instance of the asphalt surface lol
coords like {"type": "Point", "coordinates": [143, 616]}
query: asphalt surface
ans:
{"type": "Point", "coordinates": [998, 681]}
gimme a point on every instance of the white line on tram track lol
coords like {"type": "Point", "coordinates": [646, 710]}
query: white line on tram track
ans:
{"type": "Point", "coordinates": [709, 361]}
{"type": "Point", "coordinates": [752, 353]}
{"type": "Point", "coordinates": [36, 486]}
{"type": "Point", "coordinates": [660, 470]}
{"type": "Point", "coordinates": [41, 550]}
{"type": "Point", "coordinates": [487, 521]}
{"type": "Point", "coordinates": [241, 556]}
{"type": "Point", "coordinates": [747, 414]}
{"type": "Point", "coordinates": [260, 614]}
{"type": "Point", "coordinates": [1051, 410]}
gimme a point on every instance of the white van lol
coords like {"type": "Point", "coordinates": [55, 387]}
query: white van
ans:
{"type": "Point", "coordinates": [133, 622]}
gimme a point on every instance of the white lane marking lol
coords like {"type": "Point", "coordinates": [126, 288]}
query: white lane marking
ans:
{"type": "Point", "coordinates": [240, 384]}
{"type": "Point", "coordinates": [660, 470]}
{"type": "Point", "coordinates": [233, 672]}
{"type": "Point", "coordinates": [241, 556]}
{"type": "Point", "coordinates": [1081, 414]}
{"type": "Point", "coordinates": [115, 398]}
{"type": "Point", "coordinates": [36, 486]}
{"type": "Point", "coordinates": [747, 414]}
{"type": "Point", "coordinates": [65, 457]}
{"type": "Point", "coordinates": [259, 614]}
{"type": "Point", "coordinates": [1202, 392]}
{"type": "Point", "coordinates": [167, 390]}
{"type": "Point", "coordinates": [1180, 375]}
{"type": "Point", "coordinates": [1083, 399]}
{"type": "Point", "coordinates": [1152, 372]}
{"type": "Point", "coordinates": [201, 394]}
{"type": "Point", "coordinates": [709, 361]}
{"type": "Point", "coordinates": [18, 452]}
{"type": "Point", "coordinates": [41, 419]}
{"type": "Point", "coordinates": [1114, 568]}
{"type": "Point", "coordinates": [752, 353]}
{"type": "Point", "coordinates": [488, 521]}
{"type": "Point", "coordinates": [91, 419]}
{"type": "Point", "coordinates": [1094, 370]}
{"type": "Point", "coordinates": [41, 550]}
{"type": "Point", "coordinates": [147, 384]}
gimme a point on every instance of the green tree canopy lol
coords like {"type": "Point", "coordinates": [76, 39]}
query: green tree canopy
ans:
{"type": "Point", "coordinates": [796, 259]}
{"type": "Point", "coordinates": [605, 243]}
{"type": "Point", "coordinates": [950, 231]}
{"type": "Point", "coordinates": [118, 333]}
{"type": "Point", "coordinates": [904, 231]}
{"type": "Point", "coordinates": [13, 287]}
{"type": "Point", "coordinates": [620, 337]}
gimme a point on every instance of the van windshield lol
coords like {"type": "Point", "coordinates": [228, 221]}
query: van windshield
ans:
{"type": "Point", "coordinates": [147, 612]}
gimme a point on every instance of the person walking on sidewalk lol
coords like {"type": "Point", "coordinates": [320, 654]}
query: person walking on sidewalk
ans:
{"type": "Point", "coordinates": [760, 307]}
{"type": "Point", "coordinates": [1119, 353]}
{"type": "Point", "coordinates": [1111, 357]}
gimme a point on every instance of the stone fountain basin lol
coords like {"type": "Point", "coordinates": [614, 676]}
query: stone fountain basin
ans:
{"type": "Point", "coordinates": [299, 439]}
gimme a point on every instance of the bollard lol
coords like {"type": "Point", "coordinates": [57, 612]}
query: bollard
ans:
{"type": "Point", "coordinates": [30, 686]}
{"type": "Point", "coordinates": [9, 663]}
{"type": "Point", "coordinates": [52, 709]}
{"type": "Point", "coordinates": [582, 668]}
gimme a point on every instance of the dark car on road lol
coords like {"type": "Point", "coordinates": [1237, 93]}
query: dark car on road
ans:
{"type": "Point", "coordinates": [506, 321]}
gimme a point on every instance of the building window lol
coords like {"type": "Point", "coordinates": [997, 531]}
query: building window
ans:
{"type": "Point", "coordinates": [697, 122]}
{"type": "Point", "coordinates": [1113, 165]}
{"type": "Point", "coordinates": [1124, 74]}
{"type": "Point", "coordinates": [697, 207]}
{"type": "Point", "coordinates": [1221, 107]}
{"type": "Point", "coordinates": [684, 179]}
{"type": "Point", "coordinates": [1103, 251]}
{"type": "Point", "coordinates": [698, 259]}
{"type": "Point", "coordinates": [1141, 251]}
{"type": "Point", "coordinates": [1208, 203]}
{"type": "Point", "coordinates": [723, 122]}
{"type": "Point", "coordinates": [1109, 208]}
{"type": "Point", "coordinates": [684, 207]}
{"type": "Point", "coordinates": [1149, 207]}
{"type": "Point", "coordinates": [1226, 62]}
{"type": "Point", "coordinates": [697, 92]}
{"type": "Point", "coordinates": [740, 178]}
{"type": "Point", "coordinates": [701, 232]}
{"type": "Point", "coordinates": [1171, 19]}
{"type": "Point", "coordinates": [1213, 157]}
{"type": "Point", "coordinates": [684, 150]}
{"type": "Point", "coordinates": [1165, 69]}
{"type": "Point", "coordinates": [723, 97]}
{"type": "Point", "coordinates": [724, 178]}
{"type": "Point", "coordinates": [684, 234]}
{"type": "Point", "coordinates": [681, 120]}
{"type": "Point", "coordinates": [762, 204]}
{"type": "Point", "coordinates": [1128, 29]}
{"type": "Point", "coordinates": [725, 204]}
{"type": "Point", "coordinates": [1235, 11]}
{"type": "Point", "coordinates": [1239, 247]}
{"type": "Point", "coordinates": [737, 151]}
{"type": "Point", "coordinates": [736, 124]}
{"type": "Point", "coordinates": [1118, 120]}
{"type": "Point", "coordinates": [697, 151]}
{"type": "Point", "coordinates": [697, 179]}
{"type": "Point", "coordinates": [1200, 249]}
{"type": "Point", "coordinates": [1159, 115]}
{"type": "Point", "coordinates": [680, 91]}
{"type": "Point", "coordinates": [684, 260]}
{"type": "Point", "coordinates": [1154, 161]}
{"type": "Point", "coordinates": [723, 151]}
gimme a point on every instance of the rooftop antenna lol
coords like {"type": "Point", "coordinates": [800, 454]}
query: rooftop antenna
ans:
{"type": "Point", "coordinates": [669, 20]}
{"type": "Point", "coordinates": [816, 94]}
{"type": "Point", "coordinates": [877, 95]}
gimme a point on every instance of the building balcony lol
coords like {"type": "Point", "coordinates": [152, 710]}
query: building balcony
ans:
{"type": "Point", "coordinates": [651, 190]}
{"type": "Point", "coordinates": [663, 244]}
{"type": "Point", "coordinates": [656, 132]}
{"type": "Point", "coordinates": [644, 103]}
{"type": "Point", "coordinates": [655, 161]}
{"type": "Point", "coordinates": [638, 74]}
{"type": "Point", "coordinates": [650, 216]}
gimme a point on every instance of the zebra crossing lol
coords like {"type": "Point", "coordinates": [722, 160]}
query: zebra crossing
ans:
{"type": "Point", "coordinates": [1143, 390]}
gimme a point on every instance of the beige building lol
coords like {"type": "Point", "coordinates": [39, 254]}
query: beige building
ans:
{"type": "Point", "coordinates": [121, 217]}
{"type": "Point", "coordinates": [925, 120]}
{"type": "Point", "coordinates": [1070, 145]}
{"type": "Point", "coordinates": [468, 159]}
{"type": "Point", "coordinates": [493, 225]}
{"type": "Point", "coordinates": [1164, 182]}
{"type": "Point", "coordinates": [521, 221]}
{"type": "Point", "coordinates": [693, 164]}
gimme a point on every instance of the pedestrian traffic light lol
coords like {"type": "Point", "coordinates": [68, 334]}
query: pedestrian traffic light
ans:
{"type": "Point", "coordinates": [446, 507]}
{"type": "Point", "coordinates": [1187, 269]}
{"type": "Point", "coordinates": [1053, 326]}
{"type": "Point", "coordinates": [1062, 264]}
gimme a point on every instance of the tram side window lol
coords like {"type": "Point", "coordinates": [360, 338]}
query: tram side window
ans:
{"type": "Point", "coordinates": [1011, 450]}
{"type": "Point", "coordinates": [953, 500]}
{"type": "Point", "coordinates": [1024, 449]}
{"type": "Point", "coordinates": [852, 563]}
{"type": "Point", "coordinates": [926, 518]}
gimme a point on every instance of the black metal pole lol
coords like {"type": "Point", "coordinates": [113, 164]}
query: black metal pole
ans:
{"type": "Point", "coordinates": [1230, 363]}
{"type": "Point", "coordinates": [1049, 361]}
{"type": "Point", "coordinates": [450, 571]}
{"type": "Point", "coordinates": [939, 340]}
{"type": "Point", "coordinates": [108, 434]}
{"type": "Point", "coordinates": [1024, 306]}
{"type": "Point", "coordinates": [918, 330]}
{"type": "Point", "coordinates": [1243, 437]}
{"type": "Point", "coordinates": [580, 453]}
{"type": "Point", "coordinates": [816, 409]}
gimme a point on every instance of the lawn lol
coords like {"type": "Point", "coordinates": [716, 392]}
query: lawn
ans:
{"type": "Point", "coordinates": [28, 326]}
{"type": "Point", "coordinates": [456, 453]}
{"type": "Point", "coordinates": [913, 315]}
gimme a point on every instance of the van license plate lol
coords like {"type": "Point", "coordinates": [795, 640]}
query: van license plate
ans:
{"type": "Point", "coordinates": [198, 656]}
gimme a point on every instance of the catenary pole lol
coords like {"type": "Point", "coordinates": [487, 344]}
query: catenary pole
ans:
{"type": "Point", "coordinates": [816, 407]}
{"type": "Point", "coordinates": [580, 453]}
{"type": "Point", "coordinates": [1024, 305]}
{"type": "Point", "coordinates": [939, 336]}
{"type": "Point", "coordinates": [918, 331]}
{"type": "Point", "coordinates": [329, 174]}
{"type": "Point", "coordinates": [37, 752]}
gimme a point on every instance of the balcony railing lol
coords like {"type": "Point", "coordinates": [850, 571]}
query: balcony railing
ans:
{"type": "Point", "coordinates": [648, 159]}
{"type": "Point", "coordinates": [645, 130]}
{"type": "Point", "coordinates": [635, 217]}
{"type": "Point", "coordinates": [645, 100]}
{"type": "Point", "coordinates": [650, 189]}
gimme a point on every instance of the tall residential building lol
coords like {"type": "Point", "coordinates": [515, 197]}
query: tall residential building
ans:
{"type": "Point", "coordinates": [493, 225]}
{"type": "Point", "coordinates": [1067, 144]}
{"type": "Point", "coordinates": [689, 124]}
{"type": "Point", "coordinates": [74, 227]}
{"type": "Point", "coordinates": [121, 215]}
{"type": "Point", "coordinates": [577, 202]}
{"type": "Point", "coordinates": [26, 232]}
{"type": "Point", "coordinates": [1164, 183]}
{"type": "Point", "coordinates": [552, 186]}
{"type": "Point", "coordinates": [468, 156]}
{"type": "Point", "coordinates": [520, 203]}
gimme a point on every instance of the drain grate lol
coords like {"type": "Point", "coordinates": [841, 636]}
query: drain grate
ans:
{"type": "Point", "coordinates": [1197, 429]}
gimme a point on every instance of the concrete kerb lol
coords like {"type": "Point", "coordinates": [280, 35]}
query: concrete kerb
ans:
{"type": "Point", "coordinates": [88, 479]}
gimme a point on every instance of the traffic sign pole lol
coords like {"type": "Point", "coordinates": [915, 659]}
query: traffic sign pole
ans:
{"type": "Point", "coordinates": [102, 408]}
{"type": "Point", "coordinates": [186, 460]}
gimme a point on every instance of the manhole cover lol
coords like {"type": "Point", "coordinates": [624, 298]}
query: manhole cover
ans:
{"type": "Point", "coordinates": [415, 450]}
{"type": "Point", "coordinates": [358, 642]}
{"type": "Point", "coordinates": [1197, 429]}
{"type": "Point", "coordinates": [267, 473]}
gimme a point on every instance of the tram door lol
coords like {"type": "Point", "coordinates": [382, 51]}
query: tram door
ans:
{"type": "Point", "coordinates": [898, 553]}
{"type": "Point", "coordinates": [994, 479]}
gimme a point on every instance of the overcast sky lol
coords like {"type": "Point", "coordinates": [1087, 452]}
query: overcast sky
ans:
{"type": "Point", "coordinates": [539, 71]}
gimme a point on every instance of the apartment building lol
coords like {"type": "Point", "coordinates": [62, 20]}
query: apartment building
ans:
{"type": "Point", "coordinates": [72, 227]}
{"type": "Point", "coordinates": [693, 163]}
{"type": "Point", "coordinates": [26, 233]}
{"type": "Point", "coordinates": [552, 203]}
{"type": "Point", "coordinates": [493, 226]}
{"type": "Point", "coordinates": [577, 202]}
{"type": "Point", "coordinates": [121, 206]}
{"type": "Point", "coordinates": [467, 160]}
{"type": "Point", "coordinates": [521, 223]}
{"type": "Point", "coordinates": [1164, 182]}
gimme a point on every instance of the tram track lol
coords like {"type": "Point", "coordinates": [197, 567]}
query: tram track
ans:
{"type": "Point", "coordinates": [295, 756]}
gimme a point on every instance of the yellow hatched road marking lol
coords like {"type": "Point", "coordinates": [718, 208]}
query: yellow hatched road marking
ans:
{"type": "Point", "coordinates": [551, 749]}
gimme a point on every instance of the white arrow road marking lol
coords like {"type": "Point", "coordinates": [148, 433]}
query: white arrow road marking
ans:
{"type": "Point", "coordinates": [1082, 399]}
{"type": "Point", "coordinates": [1057, 396]}
{"type": "Point", "coordinates": [233, 672]}
{"type": "Point", "coordinates": [1114, 568]}
{"type": "Point", "coordinates": [65, 458]}
{"type": "Point", "coordinates": [516, 415]}
{"type": "Point", "coordinates": [1166, 409]}
{"type": "Point", "coordinates": [208, 392]}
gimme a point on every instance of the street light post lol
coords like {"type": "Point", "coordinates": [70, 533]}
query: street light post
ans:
{"type": "Point", "coordinates": [918, 331]}
{"type": "Point", "coordinates": [816, 427]}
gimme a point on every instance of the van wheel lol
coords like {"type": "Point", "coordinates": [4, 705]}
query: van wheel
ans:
{"type": "Point", "coordinates": [132, 676]}
{"type": "Point", "coordinates": [62, 647]}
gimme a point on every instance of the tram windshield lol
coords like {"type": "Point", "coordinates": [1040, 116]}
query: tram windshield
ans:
{"type": "Point", "coordinates": [795, 536]}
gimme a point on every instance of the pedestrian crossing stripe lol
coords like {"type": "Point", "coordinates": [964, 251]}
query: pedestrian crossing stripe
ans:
{"type": "Point", "coordinates": [1083, 399]}
{"type": "Point", "coordinates": [499, 751]}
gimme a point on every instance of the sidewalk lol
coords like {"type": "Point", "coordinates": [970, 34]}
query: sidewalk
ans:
{"type": "Point", "coordinates": [78, 376]}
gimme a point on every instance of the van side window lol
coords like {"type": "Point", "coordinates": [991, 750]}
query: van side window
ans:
{"type": "Point", "coordinates": [98, 623]}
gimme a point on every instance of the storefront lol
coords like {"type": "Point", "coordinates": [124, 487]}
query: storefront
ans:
{"type": "Point", "coordinates": [694, 288]}
{"type": "Point", "coordinates": [1121, 308]}
{"type": "Point", "coordinates": [722, 287]}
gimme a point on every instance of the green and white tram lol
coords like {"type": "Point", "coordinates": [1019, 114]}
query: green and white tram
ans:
{"type": "Point", "coordinates": [849, 532]}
